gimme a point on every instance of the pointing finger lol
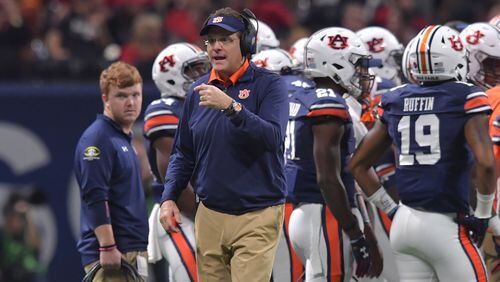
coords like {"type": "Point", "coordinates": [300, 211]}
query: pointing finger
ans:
{"type": "Point", "coordinates": [200, 87]}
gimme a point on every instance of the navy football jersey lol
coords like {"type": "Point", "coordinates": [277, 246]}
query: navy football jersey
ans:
{"type": "Point", "coordinates": [426, 124]}
{"type": "Point", "coordinates": [160, 120]}
{"type": "Point", "coordinates": [307, 103]}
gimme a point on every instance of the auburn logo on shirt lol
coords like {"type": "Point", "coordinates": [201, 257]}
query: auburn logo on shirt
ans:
{"type": "Point", "coordinates": [337, 42]}
{"type": "Point", "coordinates": [167, 60]}
{"type": "Point", "coordinates": [244, 93]}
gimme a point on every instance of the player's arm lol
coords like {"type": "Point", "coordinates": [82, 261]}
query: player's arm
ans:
{"type": "Point", "coordinates": [476, 134]}
{"type": "Point", "coordinates": [376, 142]}
{"type": "Point", "coordinates": [369, 151]}
{"type": "Point", "coordinates": [163, 147]}
{"type": "Point", "coordinates": [328, 132]}
{"type": "Point", "coordinates": [326, 148]}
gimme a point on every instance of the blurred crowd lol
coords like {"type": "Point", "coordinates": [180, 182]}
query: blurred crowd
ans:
{"type": "Point", "coordinates": [75, 39]}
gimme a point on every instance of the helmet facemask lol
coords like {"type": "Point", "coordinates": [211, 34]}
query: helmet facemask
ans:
{"type": "Point", "coordinates": [488, 75]}
{"type": "Point", "coordinates": [194, 69]}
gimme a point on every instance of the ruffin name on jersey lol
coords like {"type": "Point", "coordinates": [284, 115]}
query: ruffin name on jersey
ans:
{"type": "Point", "coordinates": [418, 104]}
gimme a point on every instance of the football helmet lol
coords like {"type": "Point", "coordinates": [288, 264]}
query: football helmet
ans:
{"type": "Point", "coordinates": [266, 39]}
{"type": "Point", "coordinates": [275, 60]}
{"type": "Point", "coordinates": [405, 62]}
{"type": "Point", "coordinates": [297, 52]}
{"type": "Point", "coordinates": [383, 45]}
{"type": "Point", "coordinates": [177, 67]}
{"type": "Point", "coordinates": [438, 55]}
{"type": "Point", "coordinates": [482, 42]}
{"type": "Point", "coordinates": [495, 21]}
{"type": "Point", "coordinates": [337, 53]}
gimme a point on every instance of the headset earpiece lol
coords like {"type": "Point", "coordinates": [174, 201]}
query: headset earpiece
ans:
{"type": "Point", "coordinates": [248, 42]}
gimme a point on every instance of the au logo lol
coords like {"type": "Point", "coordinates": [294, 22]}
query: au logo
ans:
{"type": "Point", "coordinates": [217, 19]}
{"type": "Point", "coordinates": [474, 37]}
{"type": "Point", "coordinates": [456, 43]}
{"type": "Point", "coordinates": [167, 60]}
{"type": "Point", "coordinates": [338, 42]}
{"type": "Point", "coordinates": [91, 153]}
{"type": "Point", "coordinates": [262, 63]}
{"type": "Point", "coordinates": [376, 45]}
{"type": "Point", "coordinates": [244, 93]}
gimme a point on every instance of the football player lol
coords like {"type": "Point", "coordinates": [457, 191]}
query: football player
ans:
{"type": "Point", "coordinates": [320, 139]}
{"type": "Point", "coordinates": [266, 38]}
{"type": "Point", "coordinates": [436, 127]}
{"type": "Point", "coordinates": [287, 264]}
{"type": "Point", "coordinates": [482, 41]}
{"type": "Point", "coordinates": [174, 70]}
{"type": "Point", "coordinates": [297, 52]}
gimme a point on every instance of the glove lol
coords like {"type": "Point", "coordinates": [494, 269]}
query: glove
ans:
{"type": "Point", "coordinates": [361, 252]}
{"type": "Point", "coordinates": [476, 227]}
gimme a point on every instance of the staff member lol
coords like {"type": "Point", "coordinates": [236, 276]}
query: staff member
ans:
{"type": "Point", "coordinates": [230, 143]}
{"type": "Point", "coordinates": [113, 223]}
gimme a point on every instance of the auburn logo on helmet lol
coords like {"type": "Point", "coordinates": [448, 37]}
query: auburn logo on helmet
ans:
{"type": "Point", "coordinates": [262, 63]}
{"type": "Point", "coordinates": [474, 37]}
{"type": "Point", "coordinates": [167, 60]}
{"type": "Point", "coordinates": [376, 45]}
{"type": "Point", "coordinates": [456, 43]}
{"type": "Point", "coordinates": [337, 42]}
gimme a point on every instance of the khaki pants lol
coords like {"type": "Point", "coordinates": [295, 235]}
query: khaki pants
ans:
{"type": "Point", "coordinates": [491, 258]}
{"type": "Point", "coordinates": [237, 247]}
{"type": "Point", "coordinates": [116, 275]}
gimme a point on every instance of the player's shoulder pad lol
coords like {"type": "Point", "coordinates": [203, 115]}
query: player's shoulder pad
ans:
{"type": "Point", "coordinates": [325, 102]}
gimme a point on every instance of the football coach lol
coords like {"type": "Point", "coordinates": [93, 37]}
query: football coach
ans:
{"type": "Point", "coordinates": [229, 144]}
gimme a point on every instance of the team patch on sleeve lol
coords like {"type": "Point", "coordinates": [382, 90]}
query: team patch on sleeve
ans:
{"type": "Point", "coordinates": [329, 109]}
{"type": "Point", "coordinates": [476, 102]}
{"type": "Point", "coordinates": [91, 153]}
{"type": "Point", "coordinates": [160, 120]}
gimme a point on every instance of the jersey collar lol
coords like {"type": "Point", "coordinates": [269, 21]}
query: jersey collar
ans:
{"type": "Point", "coordinates": [240, 74]}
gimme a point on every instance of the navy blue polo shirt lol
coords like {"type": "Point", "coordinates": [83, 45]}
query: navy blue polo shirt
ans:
{"type": "Point", "coordinates": [107, 169]}
{"type": "Point", "coordinates": [235, 165]}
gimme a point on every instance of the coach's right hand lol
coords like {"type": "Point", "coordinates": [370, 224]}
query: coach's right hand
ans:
{"type": "Point", "coordinates": [170, 216]}
{"type": "Point", "coordinates": [111, 259]}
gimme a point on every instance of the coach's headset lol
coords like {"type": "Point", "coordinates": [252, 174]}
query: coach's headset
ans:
{"type": "Point", "coordinates": [248, 40]}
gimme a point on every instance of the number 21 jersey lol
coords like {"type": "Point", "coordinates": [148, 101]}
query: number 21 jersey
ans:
{"type": "Point", "coordinates": [306, 106]}
{"type": "Point", "coordinates": [426, 123]}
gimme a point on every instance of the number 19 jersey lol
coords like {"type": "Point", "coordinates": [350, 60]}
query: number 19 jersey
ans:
{"type": "Point", "coordinates": [306, 105]}
{"type": "Point", "coordinates": [426, 124]}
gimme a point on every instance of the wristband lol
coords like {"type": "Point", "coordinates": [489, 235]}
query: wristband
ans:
{"type": "Point", "coordinates": [107, 248]}
{"type": "Point", "coordinates": [484, 205]}
{"type": "Point", "coordinates": [382, 200]}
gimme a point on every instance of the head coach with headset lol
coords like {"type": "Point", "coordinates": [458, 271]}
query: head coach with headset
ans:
{"type": "Point", "coordinates": [229, 144]}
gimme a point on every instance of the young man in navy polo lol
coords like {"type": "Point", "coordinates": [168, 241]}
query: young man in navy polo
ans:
{"type": "Point", "coordinates": [114, 222]}
{"type": "Point", "coordinates": [229, 144]}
